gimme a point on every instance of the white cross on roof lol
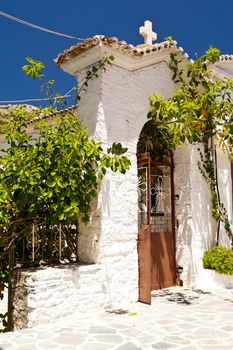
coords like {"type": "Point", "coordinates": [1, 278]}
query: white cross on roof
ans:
{"type": "Point", "coordinates": [147, 33]}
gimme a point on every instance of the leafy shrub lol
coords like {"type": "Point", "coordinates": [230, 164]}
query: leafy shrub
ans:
{"type": "Point", "coordinates": [219, 259]}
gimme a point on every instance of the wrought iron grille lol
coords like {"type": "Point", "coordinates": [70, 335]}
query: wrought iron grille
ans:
{"type": "Point", "coordinates": [155, 194]}
{"type": "Point", "coordinates": [40, 245]}
{"type": "Point", "coordinates": [47, 244]}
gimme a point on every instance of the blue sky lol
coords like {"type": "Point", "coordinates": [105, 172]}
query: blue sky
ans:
{"type": "Point", "coordinates": [193, 24]}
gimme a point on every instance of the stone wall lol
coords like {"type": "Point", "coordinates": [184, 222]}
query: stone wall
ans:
{"type": "Point", "coordinates": [45, 295]}
{"type": "Point", "coordinates": [118, 114]}
{"type": "Point", "coordinates": [20, 300]}
{"type": "Point", "coordinates": [195, 227]}
{"type": "Point", "coordinates": [225, 191]}
{"type": "Point", "coordinates": [182, 188]}
{"type": "Point", "coordinates": [203, 226]}
{"type": "Point", "coordinates": [114, 109]}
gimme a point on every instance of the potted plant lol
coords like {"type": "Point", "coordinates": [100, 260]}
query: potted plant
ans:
{"type": "Point", "coordinates": [220, 259]}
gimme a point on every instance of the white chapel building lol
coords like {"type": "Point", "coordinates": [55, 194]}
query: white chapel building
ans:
{"type": "Point", "coordinates": [176, 233]}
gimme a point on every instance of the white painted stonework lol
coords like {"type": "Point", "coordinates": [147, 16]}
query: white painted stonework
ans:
{"type": "Point", "coordinates": [114, 108]}
{"type": "Point", "coordinates": [118, 113]}
{"type": "Point", "coordinates": [119, 116]}
{"type": "Point", "coordinates": [196, 230]}
{"type": "Point", "coordinates": [52, 293]}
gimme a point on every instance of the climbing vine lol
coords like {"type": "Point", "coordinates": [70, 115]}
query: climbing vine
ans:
{"type": "Point", "coordinates": [199, 112]}
{"type": "Point", "coordinates": [206, 167]}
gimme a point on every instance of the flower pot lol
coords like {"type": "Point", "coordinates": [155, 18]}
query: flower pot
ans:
{"type": "Point", "coordinates": [225, 281]}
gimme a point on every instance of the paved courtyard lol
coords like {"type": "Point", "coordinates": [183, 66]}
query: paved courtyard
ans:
{"type": "Point", "coordinates": [177, 319]}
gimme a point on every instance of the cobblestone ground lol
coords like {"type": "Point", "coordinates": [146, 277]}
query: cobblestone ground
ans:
{"type": "Point", "coordinates": [177, 319]}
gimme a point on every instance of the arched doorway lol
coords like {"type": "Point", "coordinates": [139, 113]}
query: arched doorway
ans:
{"type": "Point", "coordinates": [156, 238]}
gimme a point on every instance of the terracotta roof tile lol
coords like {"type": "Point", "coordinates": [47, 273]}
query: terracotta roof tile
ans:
{"type": "Point", "coordinates": [226, 58]}
{"type": "Point", "coordinates": [6, 109]}
{"type": "Point", "coordinates": [113, 42]}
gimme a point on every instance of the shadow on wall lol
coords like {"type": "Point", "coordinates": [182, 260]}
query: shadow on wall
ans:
{"type": "Point", "coordinates": [184, 255]}
{"type": "Point", "coordinates": [203, 223]}
{"type": "Point", "coordinates": [196, 228]}
{"type": "Point", "coordinates": [225, 189]}
{"type": "Point", "coordinates": [106, 199]}
{"type": "Point", "coordinates": [183, 214]}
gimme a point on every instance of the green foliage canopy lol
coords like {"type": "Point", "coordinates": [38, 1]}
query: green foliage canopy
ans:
{"type": "Point", "coordinates": [219, 259]}
{"type": "Point", "coordinates": [200, 111]}
{"type": "Point", "coordinates": [50, 170]}
{"type": "Point", "coordinates": [201, 106]}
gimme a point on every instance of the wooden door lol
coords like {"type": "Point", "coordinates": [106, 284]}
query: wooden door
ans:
{"type": "Point", "coordinates": [163, 269]}
{"type": "Point", "coordinates": [156, 248]}
{"type": "Point", "coordinates": [144, 257]}
{"type": "Point", "coordinates": [163, 272]}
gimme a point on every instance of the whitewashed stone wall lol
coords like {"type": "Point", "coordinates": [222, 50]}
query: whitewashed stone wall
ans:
{"type": "Point", "coordinates": [114, 109]}
{"type": "Point", "coordinates": [117, 114]}
{"type": "Point", "coordinates": [120, 115]}
{"type": "Point", "coordinates": [182, 188]}
{"type": "Point", "coordinates": [49, 294]}
{"type": "Point", "coordinates": [203, 225]}
{"type": "Point", "coordinates": [196, 230]}
{"type": "Point", "coordinates": [225, 190]}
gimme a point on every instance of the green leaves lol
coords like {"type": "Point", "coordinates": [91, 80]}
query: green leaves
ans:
{"type": "Point", "coordinates": [51, 171]}
{"type": "Point", "coordinates": [34, 68]}
{"type": "Point", "coordinates": [200, 105]}
{"type": "Point", "coordinates": [169, 38]}
{"type": "Point", "coordinates": [117, 149]}
{"type": "Point", "coordinates": [93, 72]}
{"type": "Point", "coordinates": [55, 173]}
{"type": "Point", "coordinates": [212, 55]}
{"type": "Point", "coordinates": [201, 108]}
{"type": "Point", "coordinates": [220, 259]}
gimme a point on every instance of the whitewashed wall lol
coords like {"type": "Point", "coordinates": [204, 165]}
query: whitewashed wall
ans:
{"type": "Point", "coordinates": [49, 294]}
{"type": "Point", "coordinates": [119, 116]}
{"type": "Point", "coordinates": [183, 212]}
{"type": "Point", "coordinates": [122, 109]}
{"type": "Point", "coordinates": [203, 225]}
{"type": "Point", "coordinates": [225, 190]}
{"type": "Point", "coordinates": [114, 109]}
{"type": "Point", "coordinates": [196, 230]}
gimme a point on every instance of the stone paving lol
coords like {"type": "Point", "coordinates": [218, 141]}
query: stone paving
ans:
{"type": "Point", "coordinates": [177, 319]}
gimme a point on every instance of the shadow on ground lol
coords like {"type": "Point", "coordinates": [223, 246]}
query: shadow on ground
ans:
{"type": "Point", "coordinates": [116, 312]}
{"type": "Point", "coordinates": [180, 297]}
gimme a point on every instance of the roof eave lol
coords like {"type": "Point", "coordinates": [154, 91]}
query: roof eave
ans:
{"type": "Point", "coordinates": [124, 60]}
